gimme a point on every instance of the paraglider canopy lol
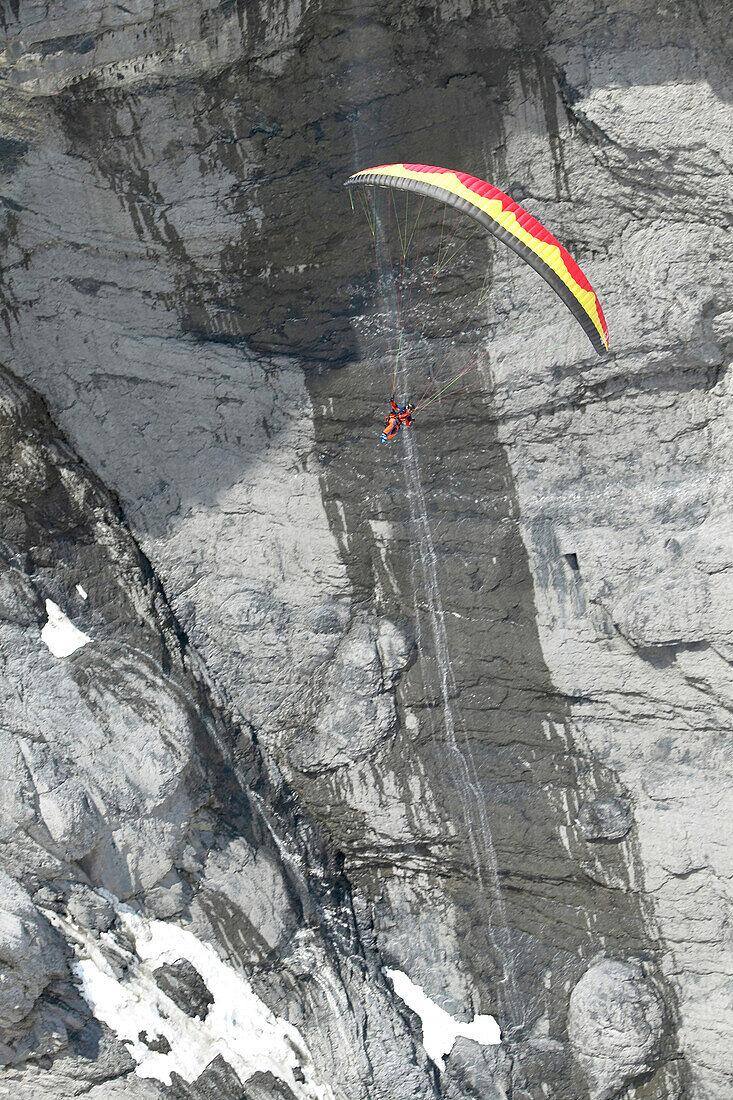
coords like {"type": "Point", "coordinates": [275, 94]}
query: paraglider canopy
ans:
{"type": "Point", "coordinates": [508, 221]}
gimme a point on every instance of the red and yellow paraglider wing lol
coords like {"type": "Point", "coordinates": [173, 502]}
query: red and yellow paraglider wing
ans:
{"type": "Point", "coordinates": [510, 223]}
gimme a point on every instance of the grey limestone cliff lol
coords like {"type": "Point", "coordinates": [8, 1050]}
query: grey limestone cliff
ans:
{"type": "Point", "coordinates": [283, 714]}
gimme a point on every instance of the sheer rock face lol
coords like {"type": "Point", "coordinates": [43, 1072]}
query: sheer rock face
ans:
{"type": "Point", "coordinates": [490, 663]}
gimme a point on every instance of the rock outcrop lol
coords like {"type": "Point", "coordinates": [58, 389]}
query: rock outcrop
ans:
{"type": "Point", "coordinates": [615, 1025]}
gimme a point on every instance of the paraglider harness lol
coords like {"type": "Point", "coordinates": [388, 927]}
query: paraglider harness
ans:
{"type": "Point", "coordinates": [399, 416]}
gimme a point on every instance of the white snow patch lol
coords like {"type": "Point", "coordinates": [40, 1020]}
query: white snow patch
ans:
{"type": "Point", "coordinates": [60, 634]}
{"type": "Point", "coordinates": [82, 591]}
{"type": "Point", "coordinates": [439, 1029]}
{"type": "Point", "coordinates": [238, 1026]}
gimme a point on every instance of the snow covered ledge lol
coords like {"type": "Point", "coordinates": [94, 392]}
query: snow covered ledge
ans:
{"type": "Point", "coordinates": [439, 1029]}
{"type": "Point", "coordinates": [60, 634]}
{"type": "Point", "coordinates": [120, 987]}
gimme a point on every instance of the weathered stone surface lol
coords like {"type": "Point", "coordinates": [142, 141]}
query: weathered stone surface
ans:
{"type": "Point", "coordinates": [263, 1086]}
{"type": "Point", "coordinates": [443, 650]}
{"type": "Point", "coordinates": [30, 953]}
{"type": "Point", "coordinates": [251, 880]}
{"type": "Point", "coordinates": [121, 788]}
{"type": "Point", "coordinates": [157, 1043]}
{"type": "Point", "coordinates": [615, 1025]}
{"type": "Point", "coordinates": [604, 819]}
{"type": "Point", "coordinates": [89, 908]}
{"type": "Point", "coordinates": [218, 1079]}
{"type": "Point", "coordinates": [185, 986]}
{"type": "Point", "coordinates": [356, 710]}
{"type": "Point", "coordinates": [480, 1072]}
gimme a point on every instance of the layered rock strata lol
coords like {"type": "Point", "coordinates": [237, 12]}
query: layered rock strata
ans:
{"type": "Point", "coordinates": [457, 708]}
